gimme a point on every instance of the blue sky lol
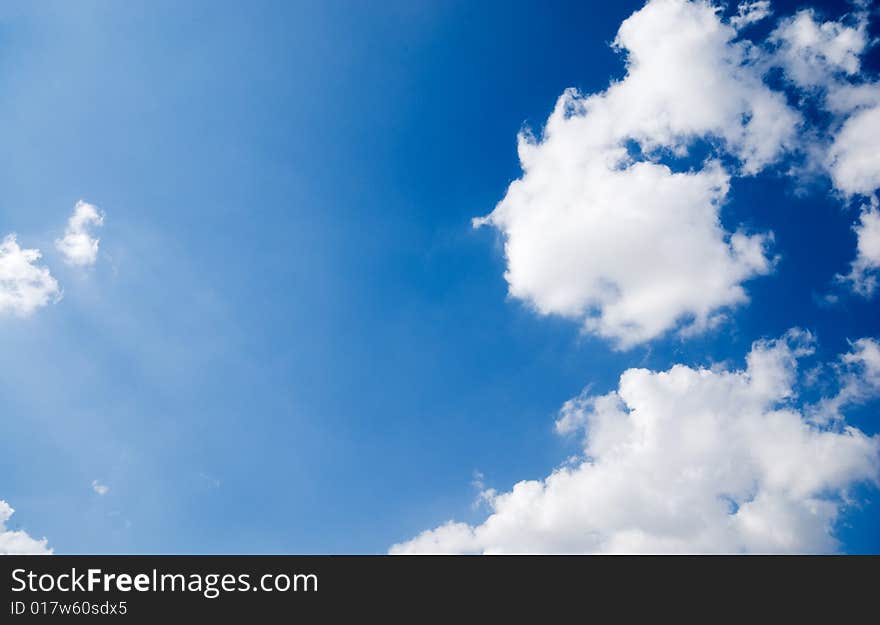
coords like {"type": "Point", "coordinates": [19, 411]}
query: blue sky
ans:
{"type": "Point", "coordinates": [293, 340]}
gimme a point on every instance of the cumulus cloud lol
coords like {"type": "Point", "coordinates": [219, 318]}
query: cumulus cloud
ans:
{"type": "Point", "coordinates": [859, 380]}
{"type": "Point", "coordinates": [864, 270]}
{"type": "Point", "coordinates": [101, 489]}
{"type": "Point", "coordinates": [824, 57]}
{"type": "Point", "coordinates": [854, 157]}
{"type": "Point", "coordinates": [844, 99]}
{"type": "Point", "coordinates": [615, 222]}
{"type": "Point", "coordinates": [18, 542]}
{"type": "Point", "coordinates": [827, 55]}
{"type": "Point", "coordinates": [616, 237]}
{"type": "Point", "coordinates": [815, 53]}
{"type": "Point", "coordinates": [692, 460]}
{"type": "Point", "coordinates": [77, 245]}
{"type": "Point", "coordinates": [590, 230]}
{"type": "Point", "coordinates": [24, 285]}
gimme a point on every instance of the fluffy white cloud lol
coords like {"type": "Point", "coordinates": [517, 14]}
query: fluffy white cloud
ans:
{"type": "Point", "coordinates": [854, 157]}
{"type": "Point", "coordinates": [18, 542]}
{"type": "Point", "coordinates": [101, 489]}
{"type": "Point", "coordinates": [826, 55]}
{"type": "Point", "coordinates": [603, 229]}
{"type": "Point", "coordinates": [813, 53]}
{"type": "Point", "coordinates": [624, 243]}
{"type": "Point", "coordinates": [691, 460]}
{"type": "Point", "coordinates": [698, 83]}
{"type": "Point", "coordinates": [24, 285]}
{"type": "Point", "coordinates": [77, 245]}
{"type": "Point", "coordinates": [859, 379]}
{"type": "Point", "coordinates": [844, 99]}
{"type": "Point", "coordinates": [863, 274]}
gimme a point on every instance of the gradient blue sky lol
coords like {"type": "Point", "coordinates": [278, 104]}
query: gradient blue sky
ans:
{"type": "Point", "coordinates": [294, 341]}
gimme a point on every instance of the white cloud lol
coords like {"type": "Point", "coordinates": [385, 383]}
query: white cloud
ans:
{"type": "Point", "coordinates": [601, 228]}
{"type": "Point", "coordinates": [858, 373]}
{"type": "Point", "coordinates": [826, 55]}
{"type": "Point", "coordinates": [18, 542]}
{"type": "Point", "coordinates": [77, 245]}
{"type": "Point", "coordinates": [863, 370]}
{"type": "Point", "coordinates": [815, 54]}
{"type": "Point", "coordinates": [100, 488]}
{"type": "Point", "coordinates": [854, 157]}
{"type": "Point", "coordinates": [690, 460]}
{"type": "Point", "coordinates": [624, 243]}
{"type": "Point", "coordinates": [24, 285]}
{"type": "Point", "coordinates": [864, 270]}
{"type": "Point", "coordinates": [699, 83]}
{"type": "Point", "coordinates": [750, 12]}
{"type": "Point", "coordinates": [845, 98]}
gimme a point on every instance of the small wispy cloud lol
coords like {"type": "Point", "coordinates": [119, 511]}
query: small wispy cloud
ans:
{"type": "Point", "coordinates": [485, 495]}
{"type": "Point", "coordinates": [101, 489]}
{"type": "Point", "coordinates": [209, 479]}
{"type": "Point", "coordinates": [750, 12]}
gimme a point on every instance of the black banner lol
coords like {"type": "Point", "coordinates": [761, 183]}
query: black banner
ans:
{"type": "Point", "coordinates": [324, 588]}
